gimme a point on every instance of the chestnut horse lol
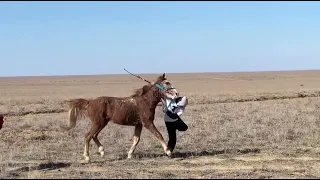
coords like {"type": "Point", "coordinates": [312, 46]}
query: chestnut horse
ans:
{"type": "Point", "coordinates": [137, 110]}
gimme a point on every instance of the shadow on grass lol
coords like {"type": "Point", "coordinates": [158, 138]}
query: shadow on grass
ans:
{"type": "Point", "coordinates": [193, 154]}
{"type": "Point", "coordinates": [43, 166]}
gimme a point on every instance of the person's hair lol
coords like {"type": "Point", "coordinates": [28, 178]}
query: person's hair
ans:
{"type": "Point", "coordinates": [178, 99]}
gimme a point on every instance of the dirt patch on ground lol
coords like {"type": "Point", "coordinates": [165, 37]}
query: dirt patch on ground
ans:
{"type": "Point", "coordinates": [278, 138]}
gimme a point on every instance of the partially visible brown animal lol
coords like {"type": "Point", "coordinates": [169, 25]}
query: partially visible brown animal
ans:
{"type": "Point", "coordinates": [1, 120]}
{"type": "Point", "coordinates": [137, 110]}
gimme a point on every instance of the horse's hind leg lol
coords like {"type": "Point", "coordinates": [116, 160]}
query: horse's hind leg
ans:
{"type": "Point", "coordinates": [136, 139]}
{"type": "Point", "coordinates": [152, 128]}
{"type": "Point", "coordinates": [95, 138]}
{"type": "Point", "coordinates": [94, 128]}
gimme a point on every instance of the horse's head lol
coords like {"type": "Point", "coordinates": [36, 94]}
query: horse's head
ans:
{"type": "Point", "coordinates": [162, 88]}
{"type": "Point", "coordinates": [166, 87]}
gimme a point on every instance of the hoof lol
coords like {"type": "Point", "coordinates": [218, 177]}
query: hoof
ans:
{"type": "Point", "coordinates": [101, 151]}
{"type": "Point", "coordinates": [168, 153]}
{"type": "Point", "coordinates": [86, 159]}
{"type": "Point", "coordinates": [102, 154]}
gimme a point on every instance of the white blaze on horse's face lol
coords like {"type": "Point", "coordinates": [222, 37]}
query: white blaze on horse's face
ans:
{"type": "Point", "coordinates": [172, 93]}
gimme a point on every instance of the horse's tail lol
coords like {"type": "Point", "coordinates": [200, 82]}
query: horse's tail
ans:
{"type": "Point", "coordinates": [77, 110]}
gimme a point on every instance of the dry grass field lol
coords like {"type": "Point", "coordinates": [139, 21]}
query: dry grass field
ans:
{"type": "Point", "coordinates": [241, 125]}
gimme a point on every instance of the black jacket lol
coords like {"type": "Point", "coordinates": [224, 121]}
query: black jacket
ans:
{"type": "Point", "coordinates": [172, 115]}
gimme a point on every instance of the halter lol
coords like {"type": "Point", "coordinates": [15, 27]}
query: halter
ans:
{"type": "Point", "coordinates": [163, 88]}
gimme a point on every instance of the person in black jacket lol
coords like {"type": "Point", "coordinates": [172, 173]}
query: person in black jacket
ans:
{"type": "Point", "coordinates": [173, 110]}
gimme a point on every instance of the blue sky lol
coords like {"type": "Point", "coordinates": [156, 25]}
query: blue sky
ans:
{"type": "Point", "coordinates": [75, 38]}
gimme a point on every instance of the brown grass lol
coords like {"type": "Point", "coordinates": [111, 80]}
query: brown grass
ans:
{"type": "Point", "coordinates": [241, 125]}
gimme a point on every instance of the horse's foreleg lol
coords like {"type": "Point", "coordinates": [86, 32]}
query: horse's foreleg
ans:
{"type": "Point", "coordinates": [96, 140]}
{"type": "Point", "coordinates": [136, 139]}
{"type": "Point", "coordinates": [89, 136]}
{"type": "Point", "coordinates": [152, 128]}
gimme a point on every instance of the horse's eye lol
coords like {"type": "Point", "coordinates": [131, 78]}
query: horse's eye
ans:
{"type": "Point", "coordinates": [168, 83]}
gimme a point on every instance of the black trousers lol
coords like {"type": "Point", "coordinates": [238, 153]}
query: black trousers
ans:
{"type": "Point", "coordinates": [171, 128]}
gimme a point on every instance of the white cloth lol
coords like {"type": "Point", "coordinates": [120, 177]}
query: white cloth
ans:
{"type": "Point", "coordinates": [175, 108]}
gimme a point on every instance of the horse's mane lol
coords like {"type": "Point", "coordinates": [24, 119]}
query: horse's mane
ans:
{"type": "Point", "coordinates": [141, 91]}
{"type": "Point", "coordinates": [146, 88]}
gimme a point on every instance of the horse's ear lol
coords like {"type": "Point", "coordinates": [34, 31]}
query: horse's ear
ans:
{"type": "Point", "coordinates": [164, 76]}
{"type": "Point", "coordinates": [161, 78]}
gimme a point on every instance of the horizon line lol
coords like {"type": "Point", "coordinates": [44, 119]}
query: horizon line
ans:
{"type": "Point", "coordinates": [117, 74]}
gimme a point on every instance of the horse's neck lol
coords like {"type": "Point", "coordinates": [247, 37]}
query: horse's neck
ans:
{"type": "Point", "coordinates": [153, 97]}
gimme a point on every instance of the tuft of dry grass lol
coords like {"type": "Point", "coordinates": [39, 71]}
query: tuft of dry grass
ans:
{"type": "Point", "coordinates": [241, 125]}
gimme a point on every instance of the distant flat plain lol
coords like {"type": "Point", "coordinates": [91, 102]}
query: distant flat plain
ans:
{"type": "Point", "coordinates": [241, 125]}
